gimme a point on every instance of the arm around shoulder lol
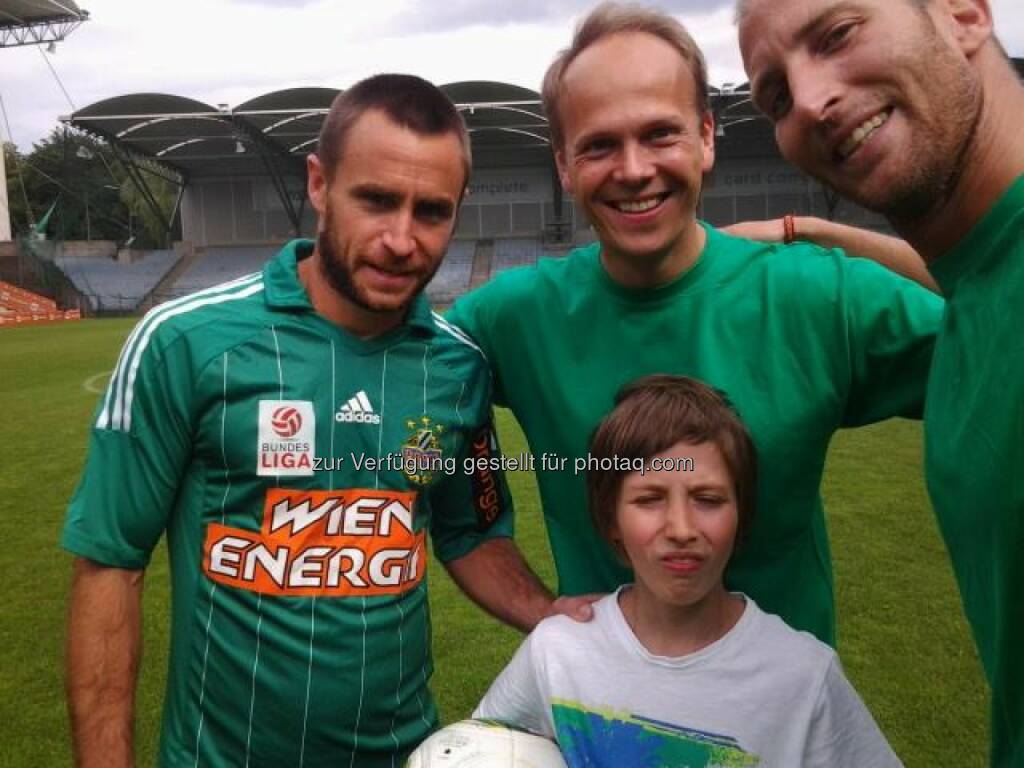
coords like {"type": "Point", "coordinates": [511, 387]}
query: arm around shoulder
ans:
{"type": "Point", "coordinates": [891, 252]}
{"type": "Point", "coordinates": [104, 646]}
{"type": "Point", "coordinates": [472, 533]}
{"type": "Point", "coordinates": [496, 577]}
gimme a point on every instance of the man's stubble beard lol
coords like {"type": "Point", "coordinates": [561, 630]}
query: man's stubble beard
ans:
{"type": "Point", "coordinates": [935, 170]}
{"type": "Point", "coordinates": [338, 275]}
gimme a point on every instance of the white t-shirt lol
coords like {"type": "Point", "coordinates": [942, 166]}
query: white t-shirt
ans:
{"type": "Point", "coordinates": [762, 695]}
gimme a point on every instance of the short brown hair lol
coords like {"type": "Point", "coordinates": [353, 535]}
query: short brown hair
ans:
{"type": "Point", "coordinates": [409, 101]}
{"type": "Point", "coordinates": [610, 19]}
{"type": "Point", "coordinates": [653, 414]}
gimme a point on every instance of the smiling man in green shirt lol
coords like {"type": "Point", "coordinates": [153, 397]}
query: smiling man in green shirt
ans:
{"type": "Point", "coordinates": [912, 108]}
{"type": "Point", "coordinates": [803, 340]}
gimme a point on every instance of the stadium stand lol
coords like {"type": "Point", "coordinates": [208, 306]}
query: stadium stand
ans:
{"type": "Point", "coordinates": [113, 286]}
{"type": "Point", "coordinates": [516, 252]}
{"type": "Point", "coordinates": [18, 306]}
{"type": "Point", "coordinates": [452, 279]}
{"type": "Point", "coordinates": [218, 264]}
{"type": "Point", "coordinates": [242, 179]}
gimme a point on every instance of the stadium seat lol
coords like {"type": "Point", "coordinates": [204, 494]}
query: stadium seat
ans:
{"type": "Point", "coordinates": [452, 279]}
{"type": "Point", "coordinates": [114, 286]}
{"type": "Point", "coordinates": [219, 264]}
{"type": "Point", "coordinates": [516, 252]}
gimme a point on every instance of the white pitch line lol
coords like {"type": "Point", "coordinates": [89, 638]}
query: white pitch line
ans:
{"type": "Point", "coordinates": [92, 383]}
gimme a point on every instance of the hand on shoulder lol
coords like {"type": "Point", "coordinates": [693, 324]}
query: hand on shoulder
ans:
{"type": "Point", "coordinates": [576, 607]}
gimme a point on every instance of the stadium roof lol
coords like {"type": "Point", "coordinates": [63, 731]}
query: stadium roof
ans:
{"type": "Point", "coordinates": [194, 138]}
{"type": "Point", "coordinates": [281, 127]}
{"type": "Point", "coordinates": [197, 139]}
{"type": "Point", "coordinates": [500, 115]}
{"type": "Point", "coordinates": [31, 22]}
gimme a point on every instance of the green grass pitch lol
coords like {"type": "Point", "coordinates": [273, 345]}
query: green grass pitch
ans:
{"type": "Point", "coordinates": [902, 635]}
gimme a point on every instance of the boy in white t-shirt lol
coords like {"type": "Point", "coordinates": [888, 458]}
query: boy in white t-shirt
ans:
{"type": "Point", "coordinates": [674, 670]}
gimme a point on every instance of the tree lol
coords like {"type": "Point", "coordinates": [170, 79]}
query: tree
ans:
{"type": "Point", "coordinates": [14, 162]}
{"type": "Point", "coordinates": [148, 228]}
{"type": "Point", "coordinates": [96, 200]}
{"type": "Point", "coordinates": [67, 167]}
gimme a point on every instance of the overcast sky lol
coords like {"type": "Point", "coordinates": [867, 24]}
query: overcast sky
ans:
{"type": "Point", "coordinates": [228, 51]}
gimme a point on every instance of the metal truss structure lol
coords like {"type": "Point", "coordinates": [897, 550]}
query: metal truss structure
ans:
{"type": "Point", "coordinates": [270, 135]}
{"type": "Point", "coordinates": [38, 22]}
{"type": "Point", "coordinates": [37, 33]}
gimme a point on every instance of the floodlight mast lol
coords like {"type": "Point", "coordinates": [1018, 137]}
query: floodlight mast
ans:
{"type": "Point", "coordinates": [31, 23]}
{"type": "Point", "coordinates": [5, 210]}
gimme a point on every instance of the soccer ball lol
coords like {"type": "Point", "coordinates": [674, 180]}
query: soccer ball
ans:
{"type": "Point", "coordinates": [485, 744]}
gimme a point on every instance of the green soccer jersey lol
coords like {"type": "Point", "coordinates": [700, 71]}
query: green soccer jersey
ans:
{"type": "Point", "coordinates": [803, 340]}
{"type": "Point", "coordinates": [974, 450]}
{"type": "Point", "coordinates": [296, 470]}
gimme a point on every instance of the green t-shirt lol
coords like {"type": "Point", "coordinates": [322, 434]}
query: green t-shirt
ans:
{"type": "Point", "coordinates": [974, 450]}
{"type": "Point", "coordinates": [803, 341]}
{"type": "Point", "coordinates": [296, 470]}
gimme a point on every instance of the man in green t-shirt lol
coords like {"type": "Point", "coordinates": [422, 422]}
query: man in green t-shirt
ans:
{"type": "Point", "coordinates": [296, 433]}
{"type": "Point", "coordinates": [911, 108]}
{"type": "Point", "coordinates": [803, 340]}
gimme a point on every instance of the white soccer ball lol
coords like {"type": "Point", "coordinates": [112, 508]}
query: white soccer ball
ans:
{"type": "Point", "coordinates": [484, 744]}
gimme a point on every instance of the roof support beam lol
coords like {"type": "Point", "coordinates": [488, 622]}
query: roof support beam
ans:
{"type": "Point", "coordinates": [111, 140]}
{"type": "Point", "coordinates": [277, 179]}
{"type": "Point", "coordinates": [135, 174]}
{"type": "Point", "coordinates": [273, 155]}
{"type": "Point", "coordinates": [36, 32]}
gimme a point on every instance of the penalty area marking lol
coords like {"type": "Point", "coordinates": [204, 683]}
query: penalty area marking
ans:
{"type": "Point", "coordinates": [93, 383]}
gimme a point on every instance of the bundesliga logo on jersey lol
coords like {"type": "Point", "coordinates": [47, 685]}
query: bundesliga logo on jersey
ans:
{"type": "Point", "coordinates": [286, 421]}
{"type": "Point", "coordinates": [287, 434]}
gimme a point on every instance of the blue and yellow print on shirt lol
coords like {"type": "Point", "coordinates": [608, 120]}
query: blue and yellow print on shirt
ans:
{"type": "Point", "coordinates": [592, 738]}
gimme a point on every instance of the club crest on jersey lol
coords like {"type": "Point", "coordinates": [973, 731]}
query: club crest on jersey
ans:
{"type": "Point", "coordinates": [421, 451]}
{"type": "Point", "coordinates": [286, 439]}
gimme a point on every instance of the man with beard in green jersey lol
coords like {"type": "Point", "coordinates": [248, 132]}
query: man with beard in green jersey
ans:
{"type": "Point", "coordinates": [289, 431]}
{"type": "Point", "coordinates": [912, 108]}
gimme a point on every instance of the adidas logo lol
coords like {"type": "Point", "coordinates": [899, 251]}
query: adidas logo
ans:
{"type": "Point", "coordinates": [357, 410]}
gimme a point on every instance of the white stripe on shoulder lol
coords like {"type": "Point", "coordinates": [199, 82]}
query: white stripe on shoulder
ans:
{"type": "Point", "coordinates": [122, 416]}
{"type": "Point", "coordinates": [115, 389]}
{"type": "Point", "coordinates": [115, 392]}
{"type": "Point", "coordinates": [457, 332]}
{"type": "Point", "coordinates": [220, 298]}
